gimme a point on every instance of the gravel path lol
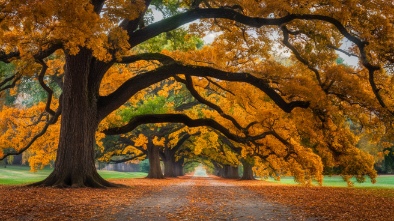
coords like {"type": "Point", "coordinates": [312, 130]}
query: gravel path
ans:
{"type": "Point", "coordinates": [205, 198]}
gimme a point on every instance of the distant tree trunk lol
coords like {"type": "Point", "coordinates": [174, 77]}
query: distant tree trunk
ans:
{"type": "Point", "coordinates": [154, 162]}
{"type": "Point", "coordinates": [179, 167]}
{"type": "Point", "coordinates": [248, 172]}
{"type": "Point", "coordinates": [231, 172]}
{"type": "Point", "coordinates": [219, 171]}
{"type": "Point", "coordinates": [169, 163]}
{"type": "Point", "coordinates": [169, 168]}
{"type": "Point", "coordinates": [75, 161]}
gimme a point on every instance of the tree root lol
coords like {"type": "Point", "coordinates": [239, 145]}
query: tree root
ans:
{"type": "Point", "coordinates": [90, 181]}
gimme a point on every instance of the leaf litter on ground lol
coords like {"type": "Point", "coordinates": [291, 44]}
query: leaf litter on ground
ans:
{"type": "Point", "coordinates": [217, 199]}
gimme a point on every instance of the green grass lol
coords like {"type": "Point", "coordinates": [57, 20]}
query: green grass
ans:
{"type": "Point", "coordinates": [16, 175]}
{"type": "Point", "coordinates": [383, 181]}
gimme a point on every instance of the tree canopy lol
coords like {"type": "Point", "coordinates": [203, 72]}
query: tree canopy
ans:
{"type": "Point", "coordinates": [270, 82]}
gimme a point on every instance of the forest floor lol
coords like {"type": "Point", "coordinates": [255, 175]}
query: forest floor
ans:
{"type": "Point", "coordinates": [196, 198]}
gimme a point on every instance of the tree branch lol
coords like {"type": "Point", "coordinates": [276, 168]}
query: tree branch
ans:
{"type": "Point", "coordinates": [111, 102]}
{"type": "Point", "coordinates": [219, 86]}
{"type": "Point", "coordinates": [176, 21]}
{"type": "Point", "coordinates": [189, 85]}
{"type": "Point", "coordinates": [14, 78]}
{"type": "Point", "coordinates": [129, 142]}
{"type": "Point", "coordinates": [53, 120]}
{"type": "Point", "coordinates": [298, 55]}
{"type": "Point", "coordinates": [98, 5]}
{"type": "Point", "coordinates": [172, 118]}
{"type": "Point", "coordinates": [343, 51]}
{"type": "Point", "coordinates": [131, 26]}
{"type": "Point", "coordinates": [187, 106]}
{"type": "Point", "coordinates": [45, 87]}
{"type": "Point", "coordinates": [6, 58]}
{"type": "Point", "coordinates": [127, 159]}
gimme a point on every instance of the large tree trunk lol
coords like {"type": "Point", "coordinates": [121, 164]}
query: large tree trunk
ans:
{"type": "Point", "coordinates": [75, 160]}
{"type": "Point", "coordinates": [154, 162]}
{"type": "Point", "coordinates": [248, 172]}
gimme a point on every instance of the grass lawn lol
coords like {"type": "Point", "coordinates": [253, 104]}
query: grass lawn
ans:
{"type": "Point", "coordinates": [14, 175]}
{"type": "Point", "coordinates": [382, 181]}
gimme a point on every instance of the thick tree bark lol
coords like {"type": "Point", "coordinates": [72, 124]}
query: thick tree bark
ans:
{"type": "Point", "coordinates": [169, 163]}
{"type": "Point", "coordinates": [75, 161]}
{"type": "Point", "coordinates": [154, 162]}
{"type": "Point", "coordinates": [248, 172]}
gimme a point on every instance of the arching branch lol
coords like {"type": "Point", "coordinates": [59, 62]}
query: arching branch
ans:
{"type": "Point", "coordinates": [172, 118]}
{"type": "Point", "coordinates": [176, 21]}
{"type": "Point", "coordinates": [181, 118]}
{"type": "Point", "coordinates": [111, 102]}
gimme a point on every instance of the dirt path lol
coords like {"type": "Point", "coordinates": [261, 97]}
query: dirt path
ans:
{"type": "Point", "coordinates": [205, 198]}
{"type": "Point", "coordinates": [158, 205]}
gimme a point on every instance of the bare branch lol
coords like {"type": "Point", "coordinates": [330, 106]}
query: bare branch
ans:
{"type": "Point", "coordinates": [45, 87]}
{"type": "Point", "coordinates": [343, 51]}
